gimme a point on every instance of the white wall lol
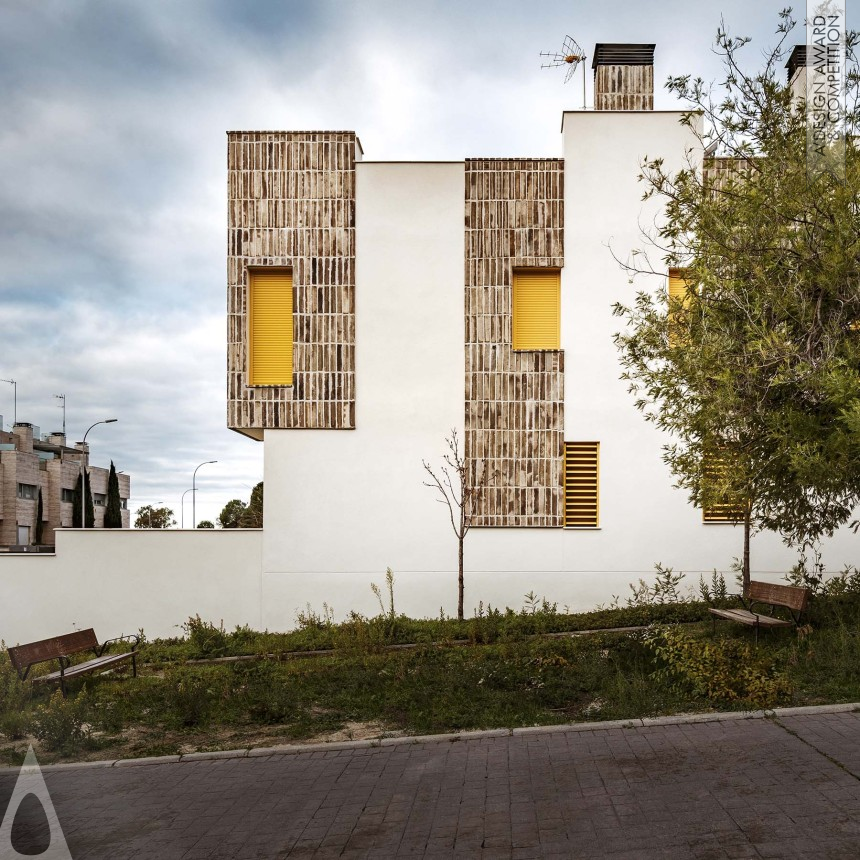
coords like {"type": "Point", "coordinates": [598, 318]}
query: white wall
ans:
{"type": "Point", "coordinates": [341, 506]}
{"type": "Point", "coordinates": [353, 500]}
{"type": "Point", "coordinates": [117, 581]}
{"type": "Point", "coordinates": [643, 518]}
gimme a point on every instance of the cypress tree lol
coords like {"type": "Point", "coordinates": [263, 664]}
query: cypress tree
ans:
{"type": "Point", "coordinates": [37, 532]}
{"type": "Point", "coordinates": [88, 506]}
{"type": "Point", "coordinates": [113, 512]}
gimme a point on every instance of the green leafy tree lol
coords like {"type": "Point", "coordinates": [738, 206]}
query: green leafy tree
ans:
{"type": "Point", "coordinates": [252, 516]}
{"type": "Point", "coordinates": [113, 511]}
{"type": "Point", "coordinates": [205, 524]}
{"type": "Point", "coordinates": [755, 366]}
{"type": "Point", "coordinates": [231, 515]}
{"type": "Point", "coordinates": [149, 517]}
{"type": "Point", "coordinates": [90, 519]}
{"type": "Point", "coordinates": [37, 533]}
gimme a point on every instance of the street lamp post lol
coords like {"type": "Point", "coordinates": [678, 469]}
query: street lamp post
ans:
{"type": "Point", "coordinates": [84, 471]}
{"type": "Point", "coordinates": [15, 400]}
{"type": "Point", "coordinates": [182, 505]}
{"type": "Point", "coordinates": [194, 493]}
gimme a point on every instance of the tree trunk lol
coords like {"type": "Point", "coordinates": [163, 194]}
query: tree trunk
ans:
{"type": "Point", "coordinates": [460, 581]}
{"type": "Point", "coordinates": [746, 565]}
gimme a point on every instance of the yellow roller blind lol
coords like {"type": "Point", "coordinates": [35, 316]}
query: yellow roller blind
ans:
{"type": "Point", "coordinates": [581, 484]}
{"type": "Point", "coordinates": [537, 309]}
{"type": "Point", "coordinates": [714, 468]}
{"type": "Point", "coordinates": [270, 327]}
{"type": "Point", "coordinates": [677, 284]}
{"type": "Point", "coordinates": [677, 292]}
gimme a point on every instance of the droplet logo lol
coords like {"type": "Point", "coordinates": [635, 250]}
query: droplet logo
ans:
{"type": "Point", "coordinates": [31, 782]}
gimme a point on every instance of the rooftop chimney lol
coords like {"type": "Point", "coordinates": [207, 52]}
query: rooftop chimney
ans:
{"type": "Point", "coordinates": [24, 431]}
{"type": "Point", "coordinates": [623, 77]}
{"type": "Point", "coordinates": [796, 66]}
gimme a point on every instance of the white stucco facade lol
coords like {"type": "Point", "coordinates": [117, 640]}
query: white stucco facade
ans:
{"type": "Point", "coordinates": [118, 581]}
{"type": "Point", "coordinates": [341, 506]}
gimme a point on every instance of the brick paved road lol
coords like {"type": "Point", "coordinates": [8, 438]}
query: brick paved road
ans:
{"type": "Point", "coordinates": [734, 789]}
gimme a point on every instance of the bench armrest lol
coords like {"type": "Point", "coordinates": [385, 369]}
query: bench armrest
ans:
{"type": "Point", "coordinates": [100, 651]}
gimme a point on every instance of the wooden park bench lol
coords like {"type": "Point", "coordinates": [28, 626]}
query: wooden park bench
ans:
{"type": "Point", "coordinates": [790, 597]}
{"type": "Point", "coordinates": [62, 647]}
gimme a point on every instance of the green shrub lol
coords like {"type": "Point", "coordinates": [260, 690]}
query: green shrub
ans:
{"type": "Point", "coordinates": [190, 695]}
{"type": "Point", "coordinates": [265, 692]}
{"type": "Point", "coordinates": [716, 594]}
{"type": "Point", "coordinates": [15, 694]}
{"type": "Point", "coordinates": [14, 725]}
{"type": "Point", "coordinates": [725, 671]}
{"type": "Point", "coordinates": [60, 724]}
{"type": "Point", "coordinates": [205, 639]}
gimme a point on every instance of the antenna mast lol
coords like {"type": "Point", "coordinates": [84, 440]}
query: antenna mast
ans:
{"type": "Point", "coordinates": [570, 55]}
{"type": "Point", "coordinates": [63, 407]}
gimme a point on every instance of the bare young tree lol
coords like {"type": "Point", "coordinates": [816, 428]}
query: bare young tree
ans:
{"type": "Point", "coordinates": [459, 488]}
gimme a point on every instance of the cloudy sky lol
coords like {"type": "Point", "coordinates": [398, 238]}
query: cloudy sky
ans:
{"type": "Point", "coordinates": [112, 188]}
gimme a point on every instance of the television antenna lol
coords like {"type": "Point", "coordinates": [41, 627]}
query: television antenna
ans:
{"type": "Point", "coordinates": [571, 55]}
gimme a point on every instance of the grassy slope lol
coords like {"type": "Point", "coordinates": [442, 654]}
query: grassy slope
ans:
{"type": "Point", "coordinates": [504, 676]}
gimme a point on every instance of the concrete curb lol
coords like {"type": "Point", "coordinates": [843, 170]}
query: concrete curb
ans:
{"type": "Point", "coordinates": [454, 737]}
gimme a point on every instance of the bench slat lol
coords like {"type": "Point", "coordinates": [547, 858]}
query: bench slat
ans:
{"type": "Point", "coordinates": [789, 596]}
{"type": "Point", "coordinates": [23, 656]}
{"type": "Point", "coordinates": [753, 619]}
{"type": "Point", "coordinates": [87, 666]}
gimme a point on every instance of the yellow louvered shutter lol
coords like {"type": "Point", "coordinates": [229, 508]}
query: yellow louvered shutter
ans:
{"type": "Point", "coordinates": [581, 484]}
{"type": "Point", "coordinates": [677, 284]}
{"type": "Point", "coordinates": [537, 309]}
{"type": "Point", "coordinates": [270, 327]}
{"type": "Point", "coordinates": [714, 467]}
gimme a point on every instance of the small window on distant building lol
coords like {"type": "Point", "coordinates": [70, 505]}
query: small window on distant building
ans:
{"type": "Point", "coordinates": [270, 327]}
{"type": "Point", "coordinates": [23, 535]}
{"type": "Point", "coordinates": [536, 309]}
{"type": "Point", "coordinates": [123, 503]}
{"type": "Point", "coordinates": [27, 491]}
{"type": "Point", "coordinates": [99, 499]}
{"type": "Point", "coordinates": [68, 495]}
{"type": "Point", "coordinates": [581, 484]}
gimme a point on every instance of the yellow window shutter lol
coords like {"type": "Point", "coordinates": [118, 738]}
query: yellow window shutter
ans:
{"type": "Point", "coordinates": [537, 309]}
{"type": "Point", "coordinates": [713, 469]}
{"type": "Point", "coordinates": [270, 327]}
{"type": "Point", "coordinates": [581, 484]}
{"type": "Point", "coordinates": [677, 284]}
{"type": "Point", "coordinates": [677, 293]}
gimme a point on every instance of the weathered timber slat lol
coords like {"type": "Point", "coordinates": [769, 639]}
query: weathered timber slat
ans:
{"type": "Point", "coordinates": [514, 210]}
{"type": "Point", "coordinates": [291, 203]}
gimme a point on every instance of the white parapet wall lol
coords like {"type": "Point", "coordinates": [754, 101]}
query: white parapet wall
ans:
{"type": "Point", "coordinates": [119, 580]}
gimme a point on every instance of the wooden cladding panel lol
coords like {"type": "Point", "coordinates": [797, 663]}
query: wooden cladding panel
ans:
{"type": "Point", "coordinates": [514, 399]}
{"type": "Point", "coordinates": [624, 87]}
{"type": "Point", "coordinates": [291, 205]}
{"type": "Point", "coordinates": [581, 484]}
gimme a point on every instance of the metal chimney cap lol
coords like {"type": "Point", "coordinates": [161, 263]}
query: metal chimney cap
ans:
{"type": "Point", "coordinates": [617, 54]}
{"type": "Point", "coordinates": [796, 61]}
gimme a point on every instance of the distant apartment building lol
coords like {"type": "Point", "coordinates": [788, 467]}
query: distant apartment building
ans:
{"type": "Point", "coordinates": [29, 463]}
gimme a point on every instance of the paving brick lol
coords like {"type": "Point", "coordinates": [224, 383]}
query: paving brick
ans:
{"type": "Point", "coordinates": [740, 789]}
